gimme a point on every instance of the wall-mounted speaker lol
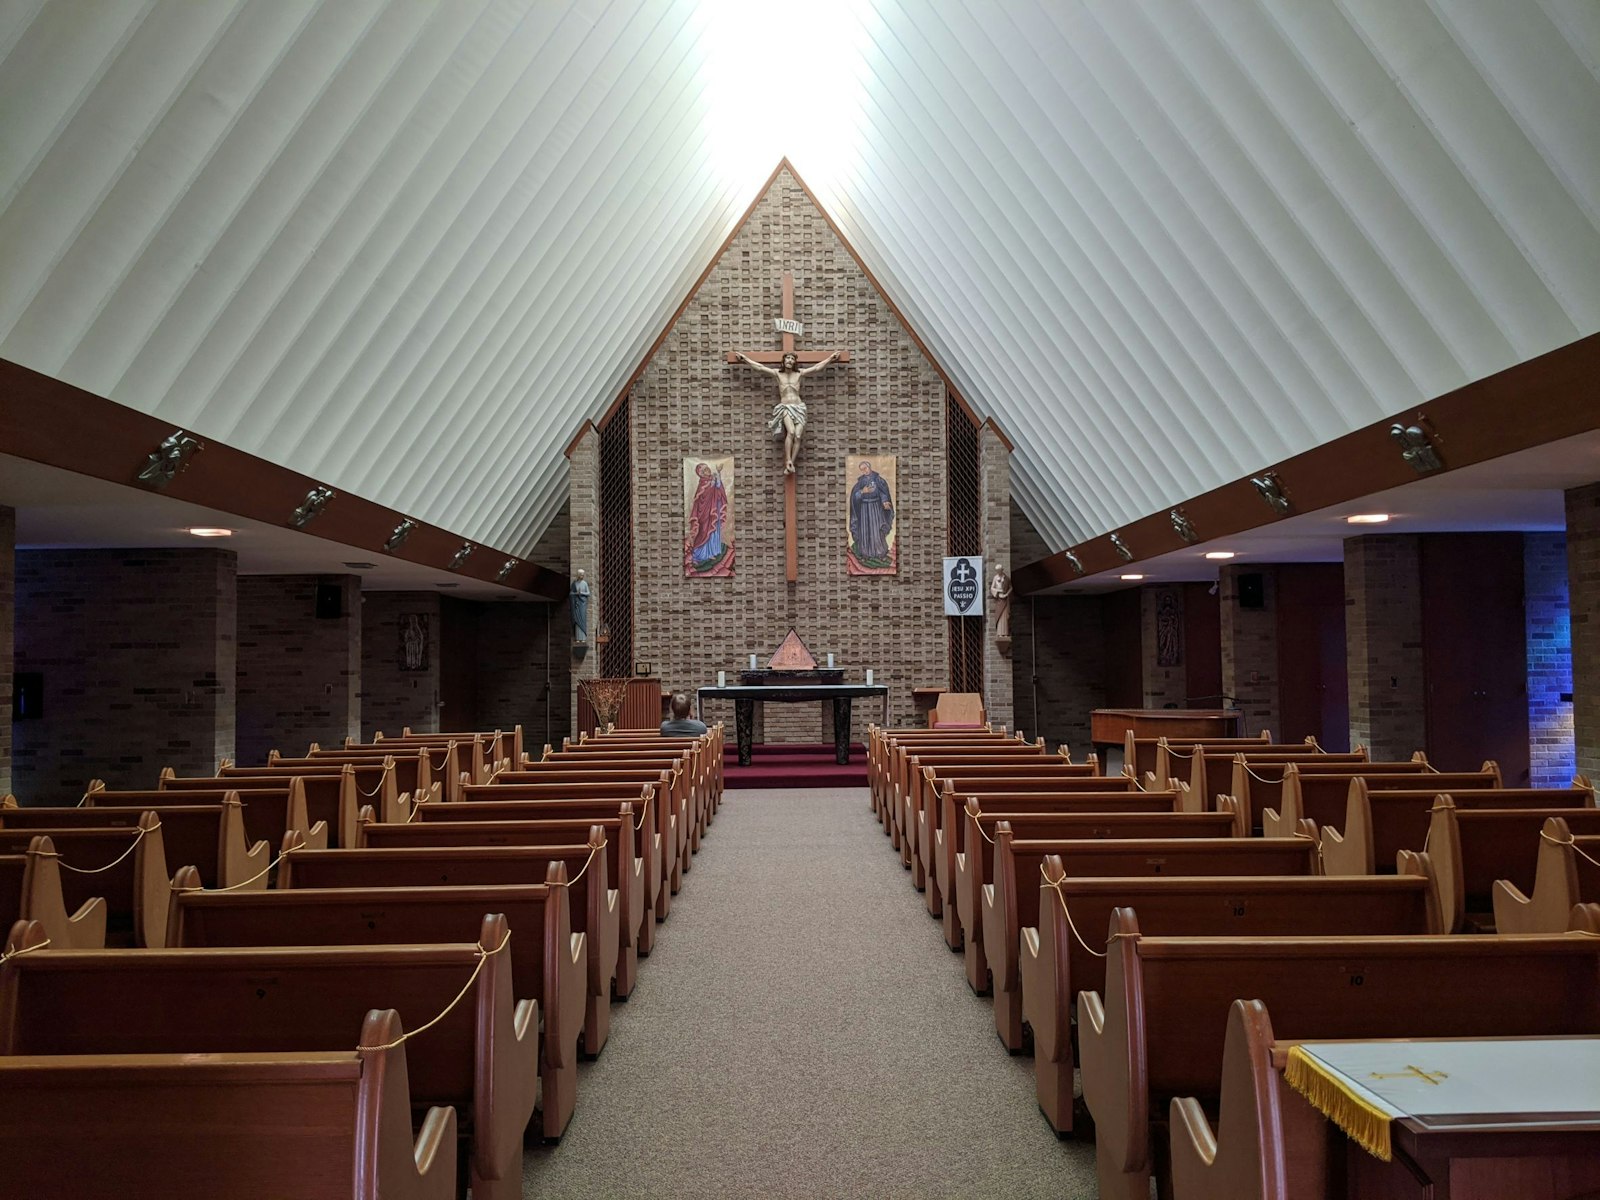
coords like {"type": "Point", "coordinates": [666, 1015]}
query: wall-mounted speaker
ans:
{"type": "Point", "coordinates": [1252, 590]}
{"type": "Point", "coordinates": [330, 601]}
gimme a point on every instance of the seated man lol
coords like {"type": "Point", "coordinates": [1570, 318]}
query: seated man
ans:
{"type": "Point", "coordinates": [681, 723]}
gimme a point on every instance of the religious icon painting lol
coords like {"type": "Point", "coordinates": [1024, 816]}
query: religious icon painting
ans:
{"type": "Point", "coordinates": [873, 541]}
{"type": "Point", "coordinates": [708, 518]}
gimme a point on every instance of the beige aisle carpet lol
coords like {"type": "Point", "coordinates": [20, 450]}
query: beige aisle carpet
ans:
{"type": "Point", "coordinates": [801, 1030]}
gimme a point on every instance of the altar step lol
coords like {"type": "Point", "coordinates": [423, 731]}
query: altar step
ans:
{"type": "Point", "coordinates": [795, 765]}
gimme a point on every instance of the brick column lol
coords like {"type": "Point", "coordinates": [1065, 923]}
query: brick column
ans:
{"type": "Point", "coordinates": [137, 650]}
{"type": "Point", "coordinates": [1169, 684]}
{"type": "Point", "coordinates": [1383, 644]}
{"type": "Point", "coordinates": [994, 503]}
{"type": "Point", "coordinates": [299, 674]}
{"type": "Point", "coordinates": [1583, 583]}
{"type": "Point", "coordinates": [8, 596]}
{"type": "Point", "coordinates": [1549, 651]}
{"type": "Point", "coordinates": [583, 507]}
{"type": "Point", "coordinates": [1250, 647]}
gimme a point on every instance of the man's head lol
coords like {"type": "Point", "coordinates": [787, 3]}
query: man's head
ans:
{"type": "Point", "coordinates": [680, 706]}
{"type": "Point", "coordinates": [790, 362]}
{"type": "Point", "coordinates": [866, 468]}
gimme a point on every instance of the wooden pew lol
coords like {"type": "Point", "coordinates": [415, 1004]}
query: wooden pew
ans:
{"type": "Point", "coordinates": [893, 776]}
{"type": "Point", "coordinates": [1271, 1144]}
{"type": "Point", "coordinates": [210, 838]}
{"type": "Point", "coordinates": [269, 813]}
{"type": "Point", "coordinates": [482, 1059]}
{"type": "Point", "coordinates": [1474, 848]}
{"type": "Point", "coordinates": [509, 742]}
{"type": "Point", "coordinates": [549, 962]}
{"type": "Point", "coordinates": [374, 783]}
{"type": "Point", "coordinates": [1566, 873]}
{"type": "Point", "coordinates": [1153, 758]}
{"type": "Point", "coordinates": [433, 764]}
{"type": "Point", "coordinates": [592, 903]}
{"type": "Point", "coordinates": [671, 783]}
{"type": "Point", "coordinates": [1320, 795]}
{"type": "Point", "coordinates": [475, 753]}
{"type": "Point", "coordinates": [910, 816]}
{"type": "Point", "coordinates": [656, 840]}
{"type": "Point", "coordinates": [30, 890]}
{"type": "Point", "coordinates": [330, 799]}
{"type": "Point", "coordinates": [1211, 772]}
{"type": "Point", "coordinates": [673, 820]}
{"type": "Point", "coordinates": [952, 840]}
{"type": "Point", "coordinates": [881, 738]}
{"type": "Point", "coordinates": [315, 1125]}
{"type": "Point", "coordinates": [623, 867]}
{"type": "Point", "coordinates": [1379, 823]}
{"type": "Point", "coordinates": [124, 868]}
{"type": "Point", "coordinates": [413, 774]}
{"type": "Point", "coordinates": [1054, 965]}
{"type": "Point", "coordinates": [1157, 1032]}
{"type": "Point", "coordinates": [1010, 903]}
{"type": "Point", "coordinates": [925, 810]}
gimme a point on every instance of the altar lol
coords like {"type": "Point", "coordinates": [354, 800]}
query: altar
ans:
{"type": "Point", "coordinates": [785, 687]}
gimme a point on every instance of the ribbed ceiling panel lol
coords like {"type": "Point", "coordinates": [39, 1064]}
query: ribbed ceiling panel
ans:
{"type": "Point", "coordinates": [408, 247]}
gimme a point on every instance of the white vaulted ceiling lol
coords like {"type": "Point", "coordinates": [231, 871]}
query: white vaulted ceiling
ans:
{"type": "Point", "coordinates": [408, 247]}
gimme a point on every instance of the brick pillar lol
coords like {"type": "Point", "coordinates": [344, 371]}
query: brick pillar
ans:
{"type": "Point", "coordinates": [994, 503]}
{"type": "Point", "coordinates": [583, 507]}
{"type": "Point", "coordinates": [8, 596]}
{"type": "Point", "coordinates": [1383, 644]}
{"type": "Point", "coordinates": [1583, 582]}
{"type": "Point", "coordinates": [299, 673]}
{"type": "Point", "coordinates": [1549, 650]}
{"type": "Point", "coordinates": [138, 656]}
{"type": "Point", "coordinates": [1168, 683]}
{"type": "Point", "coordinates": [1250, 647]}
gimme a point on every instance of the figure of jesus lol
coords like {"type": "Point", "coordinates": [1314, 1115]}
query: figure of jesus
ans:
{"type": "Point", "coordinates": [1000, 593]}
{"type": "Point", "coordinates": [789, 416]}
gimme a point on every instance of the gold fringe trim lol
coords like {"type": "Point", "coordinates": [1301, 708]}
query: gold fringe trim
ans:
{"type": "Point", "coordinates": [1365, 1123]}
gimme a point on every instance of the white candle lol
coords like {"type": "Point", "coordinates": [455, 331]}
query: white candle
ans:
{"type": "Point", "coordinates": [830, 660]}
{"type": "Point", "coordinates": [752, 662]}
{"type": "Point", "coordinates": [869, 676]}
{"type": "Point", "coordinates": [722, 679]}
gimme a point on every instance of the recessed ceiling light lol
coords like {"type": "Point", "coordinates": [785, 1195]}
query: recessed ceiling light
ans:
{"type": "Point", "coordinates": [361, 566]}
{"type": "Point", "coordinates": [1133, 577]}
{"type": "Point", "coordinates": [1367, 519]}
{"type": "Point", "coordinates": [447, 585]}
{"type": "Point", "coordinates": [1219, 554]}
{"type": "Point", "coordinates": [208, 531]}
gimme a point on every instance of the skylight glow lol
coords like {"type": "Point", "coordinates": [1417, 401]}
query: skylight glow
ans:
{"type": "Point", "coordinates": [782, 80]}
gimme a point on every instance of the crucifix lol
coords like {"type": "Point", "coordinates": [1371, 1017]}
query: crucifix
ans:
{"type": "Point", "coordinates": [788, 422]}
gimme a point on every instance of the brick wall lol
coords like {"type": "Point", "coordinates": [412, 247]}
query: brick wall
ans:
{"type": "Point", "coordinates": [1583, 580]}
{"type": "Point", "coordinates": [1162, 685]}
{"type": "Point", "coordinates": [994, 503]}
{"type": "Point", "coordinates": [1551, 752]}
{"type": "Point", "coordinates": [1250, 647]}
{"type": "Point", "coordinates": [8, 590]}
{"type": "Point", "coordinates": [689, 402]}
{"type": "Point", "coordinates": [139, 661]}
{"type": "Point", "coordinates": [391, 698]}
{"type": "Point", "coordinates": [1383, 644]}
{"type": "Point", "coordinates": [299, 676]}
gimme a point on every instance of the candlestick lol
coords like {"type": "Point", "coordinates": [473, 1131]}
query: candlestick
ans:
{"type": "Point", "coordinates": [869, 676]}
{"type": "Point", "coordinates": [830, 660]}
{"type": "Point", "coordinates": [752, 662]}
{"type": "Point", "coordinates": [722, 679]}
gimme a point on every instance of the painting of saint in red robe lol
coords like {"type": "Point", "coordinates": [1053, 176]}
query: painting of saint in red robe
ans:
{"type": "Point", "coordinates": [874, 543]}
{"type": "Point", "coordinates": [708, 518]}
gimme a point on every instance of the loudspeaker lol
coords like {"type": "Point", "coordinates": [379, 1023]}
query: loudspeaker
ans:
{"type": "Point", "coordinates": [330, 601]}
{"type": "Point", "coordinates": [1252, 590]}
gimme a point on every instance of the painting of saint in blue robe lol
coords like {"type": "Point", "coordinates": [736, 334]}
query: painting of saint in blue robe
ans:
{"type": "Point", "coordinates": [708, 517]}
{"type": "Point", "coordinates": [874, 545]}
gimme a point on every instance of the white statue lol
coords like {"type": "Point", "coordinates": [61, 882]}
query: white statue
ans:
{"type": "Point", "coordinates": [1000, 593]}
{"type": "Point", "coordinates": [789, 416]}
{"type": "Point", "coordinates": [579, 596]}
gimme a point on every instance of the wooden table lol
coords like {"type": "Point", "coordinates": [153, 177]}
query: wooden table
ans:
{"type": "Point", "coordinates": [1464, 1110]}
{"type": "Point", "coordinates": [1110, 726]}
{"type": "Point", "coordinates": [745, 697]}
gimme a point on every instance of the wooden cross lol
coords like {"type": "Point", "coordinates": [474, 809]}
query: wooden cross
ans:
{"type": "Point", "coordinates": [788, 327]}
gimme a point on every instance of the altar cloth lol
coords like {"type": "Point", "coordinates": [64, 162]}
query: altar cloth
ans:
{"type": "Point", "coordinates": [1362, 1087]}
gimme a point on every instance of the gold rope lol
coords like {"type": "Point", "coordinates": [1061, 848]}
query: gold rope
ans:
{"type": "Point", "coordinates": [1181, 754]}
{"type": "Point", "coordinates": [973, 816]}
{"type": "Point", "coordinates": [1055, 886]}
{"type": "Point", "coordinates": [1365, 1122]}
{"type": "Point", "coordinates": [376, 788]}
{"type": "Point", "coordinates": [66, 866]}
{"type": "Point", "coordinates": [1258, 778]}
{"type": "Point", "coordinates": [10, 954]}
{"type": "Point", "coordinates": [483, 956]}
{"type": "Point", "coordinates": [1573, 842]}
{"type": "Point", "coordinates": [233, 887]}
{"type": "Point", "coordinates": [593, 850]}
{"type": "Point", "coordinates": [651, 795]}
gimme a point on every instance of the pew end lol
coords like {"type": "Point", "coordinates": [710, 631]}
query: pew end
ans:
{"type": "Point", "coordinates": [42, 901]}
{"type": "Point", "coordinates": [1555, 887]}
